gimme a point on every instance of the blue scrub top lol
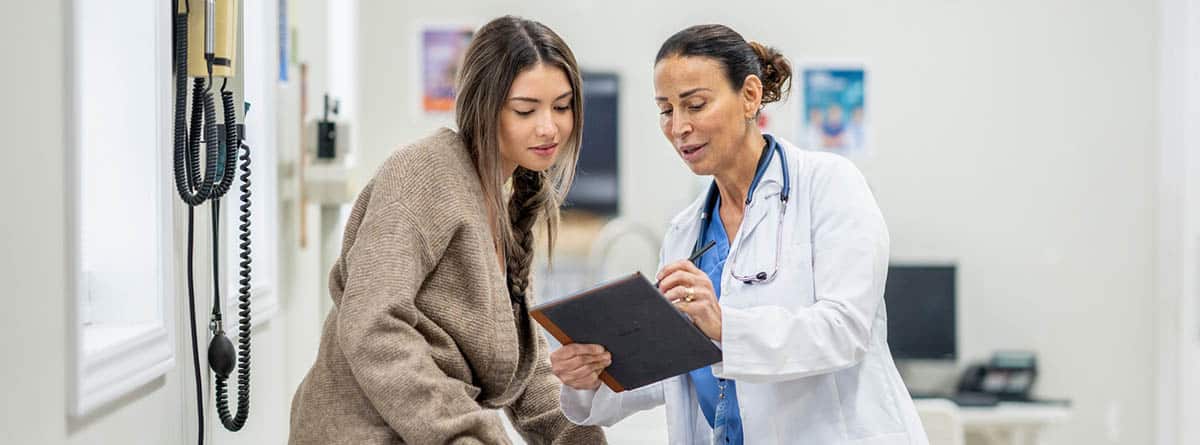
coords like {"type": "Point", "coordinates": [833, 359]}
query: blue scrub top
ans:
{"type": "Point", "coordinates": [722, 414]}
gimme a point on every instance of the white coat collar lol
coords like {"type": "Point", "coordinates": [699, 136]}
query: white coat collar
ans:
{"type": "Point", "coordinates": [770, 184]}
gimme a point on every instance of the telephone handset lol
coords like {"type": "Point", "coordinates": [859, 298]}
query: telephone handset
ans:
{"type": "Point", "coordinates": [1009, 376]}
{"type": "Point", "coordinates": [205, 46]}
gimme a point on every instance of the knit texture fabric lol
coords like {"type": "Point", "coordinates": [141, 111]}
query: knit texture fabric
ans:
{"type": "Point", "coordinates": [423, 341]}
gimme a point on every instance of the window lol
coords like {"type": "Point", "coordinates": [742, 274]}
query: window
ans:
{"type": "Point", "coordinates": [121, 196]}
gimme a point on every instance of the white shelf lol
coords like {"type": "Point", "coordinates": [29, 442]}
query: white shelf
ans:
{"type": "Point", "coordinates": [329, 181]}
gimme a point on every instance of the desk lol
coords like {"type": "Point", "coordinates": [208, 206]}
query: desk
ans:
{"type": "Point", "coordinates": [1007, 423]}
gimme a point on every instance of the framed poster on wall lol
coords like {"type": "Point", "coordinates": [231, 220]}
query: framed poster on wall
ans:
{"type": "Point", "coordinates": [833, 111]}
{"type": "Point", "coordinates": [439, 52]}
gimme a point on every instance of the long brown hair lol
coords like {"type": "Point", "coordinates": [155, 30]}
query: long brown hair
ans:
{"type": "Point", "coordinates": [498, 53]}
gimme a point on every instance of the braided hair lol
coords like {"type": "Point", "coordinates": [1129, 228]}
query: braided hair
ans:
{"type": "Point", "coordinates": [528, 198]}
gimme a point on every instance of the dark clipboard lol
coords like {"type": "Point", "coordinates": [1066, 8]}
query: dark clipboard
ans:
{"type": "Point", "coordinates": [648, 338]}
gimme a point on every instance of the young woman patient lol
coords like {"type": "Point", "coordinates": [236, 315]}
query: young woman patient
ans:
{"type": "Point", "coordinates": [429, 333]}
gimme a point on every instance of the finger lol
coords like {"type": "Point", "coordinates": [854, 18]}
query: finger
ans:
{"type": "Point", "coordinates": [563, 358]}
{"type": "Point", "coordinates": [561, 354]}
{"type": "Point", "coordinates": [690, 293]}
{"type": "Point", "coordinates": [589, 360]}
{"type": "Point", "coordinates": [672, 280]}
{"type": "Point", "coordinates": [591, 374]}
{"type": "Point", "coordinates": [687, 307]}
{"type": "Point", "coordinates": [585, 348]}
{"type": "Point", "coordinates": [688, 266]}
{"type": "Point", "coordinates": [672, 267]}
{"type": "Point", "coordinates": [581, 361]}
{"type": "Point", "coordinates": [565, 365]}
{"type": "Point", "coordinates": [679, 294]}
{"type": "Point", "coordinates": [599, 361]}
{"type": "Point", "coordinates": [703, 295]}
{"type": "Point", "coordinates": [684, 279]}
{"type": "Point", "coordinates": [583, 375]}
{"type": "Point", "coordinates": [575, 349]}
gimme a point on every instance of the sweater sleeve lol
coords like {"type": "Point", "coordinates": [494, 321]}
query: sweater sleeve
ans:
{"type": "Point", "coordinates": [389, 358]}
{"type": "Point", "coordinates": [537, 414]}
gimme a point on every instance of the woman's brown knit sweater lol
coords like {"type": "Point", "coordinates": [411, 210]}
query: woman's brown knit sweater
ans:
{"type": "Point", "coordinates": [423, 340]}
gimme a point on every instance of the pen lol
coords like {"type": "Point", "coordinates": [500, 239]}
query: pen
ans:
{"type": "Point", "coordinates": [695, 256]}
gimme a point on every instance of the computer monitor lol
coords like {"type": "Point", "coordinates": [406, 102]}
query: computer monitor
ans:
{"type": "Point", "coordinates": [921, 311]}
{"type": "Point", "coordinates": [596, 188]}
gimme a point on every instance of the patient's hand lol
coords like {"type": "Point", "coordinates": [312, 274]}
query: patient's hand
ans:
{"type": "Point", "coordinates": [579, 365]}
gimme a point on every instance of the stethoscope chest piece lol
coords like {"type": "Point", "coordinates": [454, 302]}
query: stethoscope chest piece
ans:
{"type": "Point", "coordinates": [761, 277]}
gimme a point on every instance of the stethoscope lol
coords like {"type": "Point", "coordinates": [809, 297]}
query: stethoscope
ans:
{"type": "Point", "coordinates": [710, 203]}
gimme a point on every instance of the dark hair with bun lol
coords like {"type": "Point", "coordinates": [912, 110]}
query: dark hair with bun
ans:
{"type": "Point", "coordinates": [739, 57]}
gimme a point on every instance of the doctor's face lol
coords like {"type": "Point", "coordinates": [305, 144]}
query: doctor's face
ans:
{"type": "Point", "coordinates": [699, 112]}
{"type": "Point", "coordinates": [536, 118]}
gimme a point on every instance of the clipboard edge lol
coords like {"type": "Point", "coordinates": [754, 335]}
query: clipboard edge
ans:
{"type": "Point", "coordinates": [585, 292]}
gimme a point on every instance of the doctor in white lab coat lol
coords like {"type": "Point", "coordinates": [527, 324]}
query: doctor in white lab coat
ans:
{"type": "Point", "coordinates": [793, 292]}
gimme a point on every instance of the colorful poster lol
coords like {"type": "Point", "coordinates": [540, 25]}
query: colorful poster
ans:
{"type": "Point", "coordinates": [441, 52]}
{"type": "Point", "coordinates": [283, 41]}
{"type": "Point", "coordinates": [834, 114]}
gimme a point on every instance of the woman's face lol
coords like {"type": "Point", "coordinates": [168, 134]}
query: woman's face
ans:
{"type": "Point", "coordinates": [700, 113]}
{"type": "Point", "coordinates": [536, 118]}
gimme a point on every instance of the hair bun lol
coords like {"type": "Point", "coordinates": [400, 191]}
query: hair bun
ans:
{"type": "Point", "coordinates": [777, 72]}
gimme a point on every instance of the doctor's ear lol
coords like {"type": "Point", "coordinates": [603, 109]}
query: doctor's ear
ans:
{"type": "Point", "coordinates": [751, 95]}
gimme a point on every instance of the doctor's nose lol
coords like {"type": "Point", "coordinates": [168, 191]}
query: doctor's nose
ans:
{"type": "Point", "coordinates": [680, 128]}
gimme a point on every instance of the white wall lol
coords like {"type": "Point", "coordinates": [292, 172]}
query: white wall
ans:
{"type": "Point", "coordinates": [1015, 137]}
{"type": "Point", "coordinates": [35, 332]}
{"type": "Point", "coordinates": [35, 340]}
{"type": "Point", "coordinates": [1033, 164]}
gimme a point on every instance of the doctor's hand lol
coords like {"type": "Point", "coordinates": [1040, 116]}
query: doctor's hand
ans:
{"type": "Point", "coordinates": [692, 292]}
{"type": "Point", "coordinates": [579, 365]}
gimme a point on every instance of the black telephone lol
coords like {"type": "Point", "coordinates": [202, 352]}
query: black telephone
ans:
{"type": "Point", "coordinates": [1009, 376]}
